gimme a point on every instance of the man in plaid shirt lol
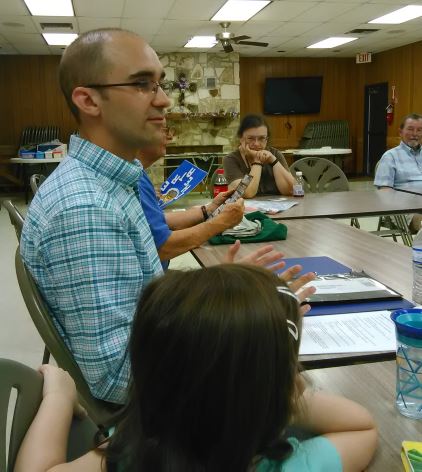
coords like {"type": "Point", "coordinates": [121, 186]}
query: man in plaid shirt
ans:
{"type": "Point", "coordinates": [85, 239]}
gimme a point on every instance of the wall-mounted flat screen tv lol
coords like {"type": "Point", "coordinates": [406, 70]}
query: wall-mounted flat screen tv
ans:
{"type": "Point", "coordinates": [292, 95]}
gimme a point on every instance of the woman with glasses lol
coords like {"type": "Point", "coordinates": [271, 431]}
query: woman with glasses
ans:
{"type": "Point", "coordinates": [265, 163]}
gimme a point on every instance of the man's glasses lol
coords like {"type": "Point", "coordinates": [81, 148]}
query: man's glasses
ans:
{"type": "Point", "coordinates": [260, 139]}
{"type": "Point", "coordinates": [144, 85]}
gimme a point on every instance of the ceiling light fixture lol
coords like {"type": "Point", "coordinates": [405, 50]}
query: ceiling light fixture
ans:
{"type": "Point", "coordinates": [400, 16]}
{"type": "Point", "coordinates": [50, 7]}
{"type": "Point", "coordinates": [239, 10]}
{"type": "Point", "coordinates": [330, 43]}
{"type": "Point", "coordinates": [201, 42]}
{"type": "Point", "coordinates": [59, 39]}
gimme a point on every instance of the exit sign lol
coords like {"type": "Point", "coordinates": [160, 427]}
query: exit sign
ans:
{"type": "Point", "coordinates": [363, 57]}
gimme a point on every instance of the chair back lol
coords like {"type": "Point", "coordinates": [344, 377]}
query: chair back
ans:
{"type": "Point", "coordinates": [320, 175]}
{"type": "Point", "coordinates": [15, 216]}
{"type": "Point", "coordinates": [35, 181]}
{"type": "Point", "coordinates": [101, 412]}
{"type": "Point", "coordinates": [28, 384]}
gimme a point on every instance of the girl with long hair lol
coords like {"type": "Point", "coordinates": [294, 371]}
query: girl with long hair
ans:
{"type": "Point", "coordinates": [215, 387]}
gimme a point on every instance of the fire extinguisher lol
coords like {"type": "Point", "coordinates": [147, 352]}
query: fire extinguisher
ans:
{"type": "Point", "coordinates": [390, 113]}
{"type": "Point", "coordinates": [390, 107]}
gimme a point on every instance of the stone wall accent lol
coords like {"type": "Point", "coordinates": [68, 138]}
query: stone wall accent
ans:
{"type": "Point", "coordinates": [200, 100]}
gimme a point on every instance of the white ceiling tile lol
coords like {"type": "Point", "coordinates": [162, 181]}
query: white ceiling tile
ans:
{"type": "Point", "coordinates": [12, 7]}
{"type": "Point", "coordinates": [142, 27]}
{"type": "Point", "coordinates": [87, 24]}
{"type": "Point", "coordinates": [154, 9]}
{"type": "Point", "coordinates": [103, 8]}
{"type": "Point", "coordinates": [293, 28]}
{"type": "Point", "coordinates": [33, 49]}
{"type": "Point", "coordinates": [8, 23]}
{"type": "Point", "coordinates": [24, 39]}
{"type": "Point", "coordinates": [167, 24]}
{"type": "Point", "coordinates": [8, 49]}
{"type": "Point", "coordinates": [365, 13]}
{"type": "Point", "coordinates": [255, 28]}
{"type": "Point", "coordinates": [283, 11]}
{"type": "Point", "coordinates": [326, 11]}
{"type": "Point", "coordinates": [191, 10]}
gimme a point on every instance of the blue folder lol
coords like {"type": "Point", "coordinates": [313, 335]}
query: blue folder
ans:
{"type": "Point", "coordinates": [325, 266]}
{"type": "Point", "coordinates": [320, 265]}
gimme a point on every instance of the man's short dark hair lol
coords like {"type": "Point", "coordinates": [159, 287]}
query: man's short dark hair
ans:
{"type": "Point", "coordinates": [411, 116]}
{"type": "Point", "coordinates": [85, 62]}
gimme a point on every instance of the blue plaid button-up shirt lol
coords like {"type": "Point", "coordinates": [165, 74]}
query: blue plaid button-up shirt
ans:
{"type": "Point", "coordinates": [400, 166]}
{"type": "Point", "coordinates": [89, 247]}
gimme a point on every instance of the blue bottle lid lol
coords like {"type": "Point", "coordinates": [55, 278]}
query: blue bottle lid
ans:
{"type": "Point", "coordinates": [408, 322]}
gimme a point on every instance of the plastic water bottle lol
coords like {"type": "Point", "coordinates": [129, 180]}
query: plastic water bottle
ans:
{"type": "Point", "coordinates": [298, 189]}
{"type": "Point", "coordinates": [417, 268]}
{"type": "Point", "coordinates": [220, 184]}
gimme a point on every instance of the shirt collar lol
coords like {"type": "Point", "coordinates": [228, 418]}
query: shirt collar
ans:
{"type": "Point", "coordinates": [410, 150]}
{"type": "Point", "coordinates": [104, 162]}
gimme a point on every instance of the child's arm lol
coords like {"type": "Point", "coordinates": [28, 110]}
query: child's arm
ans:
{"type": "Point", "coordinates": [349, 426]}
{"type": "Point", "coordinates": [45, 443]}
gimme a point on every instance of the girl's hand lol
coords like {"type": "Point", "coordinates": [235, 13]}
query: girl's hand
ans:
{"type": "Point", "coordinates": [59, 383]}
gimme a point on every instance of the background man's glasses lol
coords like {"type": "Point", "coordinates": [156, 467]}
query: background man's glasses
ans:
{"type": "Point", "coordinates": [260, 139]}
{"type": "Point", "coordinates": [144, 85]}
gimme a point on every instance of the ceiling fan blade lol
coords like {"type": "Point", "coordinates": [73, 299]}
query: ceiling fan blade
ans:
{"type": "Point", "coordinates": [240, 38]}
{"type": "Point", "coordinates": [253, 43]}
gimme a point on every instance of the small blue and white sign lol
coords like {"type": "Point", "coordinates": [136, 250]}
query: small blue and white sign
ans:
{"type": "Point", "coordinates": [181, 181]}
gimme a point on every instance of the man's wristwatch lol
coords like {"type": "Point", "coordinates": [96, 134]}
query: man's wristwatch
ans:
{"type": "Point", "coordinates": [274, 163]}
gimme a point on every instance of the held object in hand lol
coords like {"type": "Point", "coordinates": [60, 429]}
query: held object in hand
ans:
{"type": "Point", "coordinates": [238, 193]}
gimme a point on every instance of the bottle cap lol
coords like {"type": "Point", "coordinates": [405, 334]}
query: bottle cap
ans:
{"type": "Point", "coordinates": [220, 171]}
{"type": "Point", "coordinates": [299, 173]}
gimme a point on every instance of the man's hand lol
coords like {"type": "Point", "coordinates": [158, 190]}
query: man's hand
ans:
{"type": "Point", "coordinates": [267, 257]}
{"type": "Point", "coordinates": [219, 200]}
{"type": "Point", "coordinates": [232, 214]}
{"type": "Point", "coordinates": [264, 256]}
{"type": "Point", "coordinates": [297, 285]}
{"type": "Point", "coordinates": [57, 382]}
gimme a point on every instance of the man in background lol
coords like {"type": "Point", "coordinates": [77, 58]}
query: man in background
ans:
{"type": "Point", "coordinates": [401, 166]}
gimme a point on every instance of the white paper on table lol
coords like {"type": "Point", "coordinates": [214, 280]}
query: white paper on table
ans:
{"type": "Point", "coordinates": [329, 285]}
{"type": "Point", "coordinates": [270, 206]}
{"type": "Point", "coordinates": [348, 333]}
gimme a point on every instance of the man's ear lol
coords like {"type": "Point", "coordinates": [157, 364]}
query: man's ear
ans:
{"type": "Point", "coordinates": [87, 100]}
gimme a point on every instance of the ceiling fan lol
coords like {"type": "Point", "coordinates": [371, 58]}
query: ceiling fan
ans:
{"type": "Point", "coordinates": [226, 39]}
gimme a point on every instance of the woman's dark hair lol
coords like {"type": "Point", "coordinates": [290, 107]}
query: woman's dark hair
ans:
{"type": "Point", "coordinates": [252, 121]}
{"type": "Point", "coordinates": [214, 367]}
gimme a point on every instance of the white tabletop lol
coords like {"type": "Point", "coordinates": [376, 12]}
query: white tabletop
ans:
{"type": "Point", "coordinates": [324, 151]}
{"type": "Point", "coordinates": [21, 160]}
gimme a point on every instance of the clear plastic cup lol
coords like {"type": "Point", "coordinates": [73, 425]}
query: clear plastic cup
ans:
{"type": "Point", "coordinates": [408, 325]}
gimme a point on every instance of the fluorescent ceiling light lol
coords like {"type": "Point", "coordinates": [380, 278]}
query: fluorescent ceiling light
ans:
{"type": "Point", "coordinates": [50, 7]}
{"type": "Point", "coordinates": [239, 10]}
{"type": "Point", "coordinates": [330, 43]}
{"type": "Point", "coordinates": [59, 39]}
{"type": "Point", "coordinates": [201, 42]}
{"type": "Point", "coordinates": [400, 16]}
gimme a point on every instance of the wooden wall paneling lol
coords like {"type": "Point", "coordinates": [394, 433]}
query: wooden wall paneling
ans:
{"type": "Point", "coordinates": [32, 98]}
{"type": "Point", "coordinates": [417, 75]}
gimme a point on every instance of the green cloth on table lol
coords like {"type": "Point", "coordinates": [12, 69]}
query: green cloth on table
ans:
{"type": "Point", "coordinates": [271, 231]}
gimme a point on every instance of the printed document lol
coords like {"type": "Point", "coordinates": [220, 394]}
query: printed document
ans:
{"type": "Point", "coordinates": [348, 333]}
